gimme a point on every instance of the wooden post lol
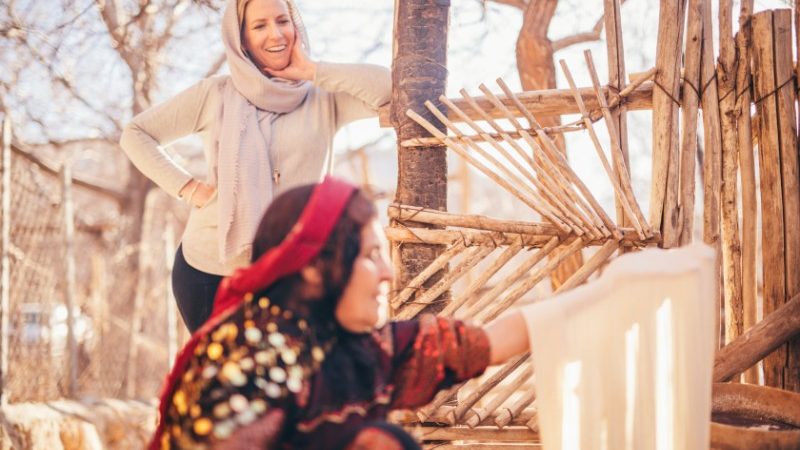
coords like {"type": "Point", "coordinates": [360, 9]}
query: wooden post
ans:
{"type": "Point", "coordinates": [773, 256]}
{"type": "Point", "coordinates": [69, 277]}
{"type": "Point", "coordinates": [690, 102]}
{"type": "Point", "coordinates": [664, 211]}
{"type": "Point", "coordinates": [137, 314]}
{"type": "Point", "coordinates": [712, 136]}
{"type": "Point", "coordinates": [169, 298]}
{"type": "Point", "coordinates": [419, 73]}
{"type": "Point", "coordinates": [787, 127]}
{"type": "Point", "coordinates": [731, 246]}
{"type": "Point", "coordinates": [5, 277]}
{"type": "Point", "coordinates": [748, 177]}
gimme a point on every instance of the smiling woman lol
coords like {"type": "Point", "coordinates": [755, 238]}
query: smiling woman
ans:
{"type": "Point", "coordinates": [276, 99]}
{"type": "Point", "coordinates": [268, 34]}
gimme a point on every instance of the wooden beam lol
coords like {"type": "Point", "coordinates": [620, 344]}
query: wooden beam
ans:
{"type": "Point", "coordinates": [544, 103]}
{"type": "Point", "coordinates": [757, 342]}
{"type": "Point", "coordinates": [495, 239]}
{"type": "Point", "coordinates": [432, 433]}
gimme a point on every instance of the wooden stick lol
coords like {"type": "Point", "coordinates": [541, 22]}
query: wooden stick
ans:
{"type": "Point", "coordinates": [485, 434]}
{"type": "Point", "coordinates": [535, 205]}
{"type": "Point", "coordinates": [521, 271]}
{"type": "Point", "coordinates": [757, 342]}
{"type": "Point", "coordinates": [553, 169]}
{"type": "Point", "coordinates": [520, 377]}
{"type": "Point", "coordinates": [559, 202]}
{"type": "Point", "coordinates": [616, 80]}
{"type": "Point", "coordinates": [567, 249]}
{"type": "Point", "coordinates": [549, 149]}
{"type": "Point", "coordinates": [533, 422]}
{"type": "Point", "coordinates": [589, 267]}
{"type": "Point", "coordinates": [555, 186]}
{"type": "Point", "coordinates": [481, 280]}
{"type": "Point", "coordinates": [483, 136]}
{"type": "Point", "coordinates": [690, 103]}
{"type": "Point", "coordinates": [712, 134]}
{"type": "Point", "coordinates": [504, 416]}
{"type": "Point", "coordinates": [547, 172]}
{"type": "Point", "coordinates": [486, 386]}
{"type": "Point", "coordinates": [404, 213]}
{"type": "Point", "coordinates": [748, 177]}
{"type": "Point", "coordinates": [494, 239]}
{"type": "Point", "coordinates": [618, 152]}
{"type": "Point", "coordinates": [663, 192]}
{"type": "Point", "coordinates": [544, 169]}
{"type": "Point", "coordinates": [433, 408]}
{"type": "Point", "coordinates": [729, 223]}
{"type": "Point", "coordinates": [546, 165]}
{"type": "Point", "coordinates": [613, 178]}
{"type": "Point", "coordinates": [554, 102]}
{"type": "Point", "coordinates": [473, 256]}
{"type": "Point", "coordinates": [416, 283]}
{"type": "Point", "coordinates": [773, 248]}
{"type": "Point", "coordinates": [787, 127]}
{"type": "Point", "coordinates": [5, 263]}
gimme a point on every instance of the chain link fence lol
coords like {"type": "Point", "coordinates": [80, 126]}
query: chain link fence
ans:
{"type": "Point", "coordinates": [78, 318]}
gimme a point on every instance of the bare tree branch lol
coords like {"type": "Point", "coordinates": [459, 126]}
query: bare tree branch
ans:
{"type": "Point", "coordinates": [586, 36]}
{"type": "Point", "coordinates": [520, 4]}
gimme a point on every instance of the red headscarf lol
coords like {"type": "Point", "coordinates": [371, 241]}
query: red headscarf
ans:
{"type": "Point", "coordinates": [298, 249]}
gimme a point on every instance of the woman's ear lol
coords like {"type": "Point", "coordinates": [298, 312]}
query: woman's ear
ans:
{"type": "Point", "coordinates": [311, 275]}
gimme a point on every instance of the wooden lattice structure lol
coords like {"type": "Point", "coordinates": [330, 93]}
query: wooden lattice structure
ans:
{"type": "Point", "coordinates": [499, 262]}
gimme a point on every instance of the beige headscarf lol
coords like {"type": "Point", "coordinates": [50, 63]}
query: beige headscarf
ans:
{"type": "Point", "coordinates": [242, 166]}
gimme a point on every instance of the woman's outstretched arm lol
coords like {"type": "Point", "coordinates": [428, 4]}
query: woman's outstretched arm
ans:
{"type": "Point", "coordinates": [508, 336]}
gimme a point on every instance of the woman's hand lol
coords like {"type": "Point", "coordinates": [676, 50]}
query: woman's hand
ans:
{"type": "Point", "coordinates": [300, 67]}
{"type": "Point", "coordinates": [197, 193]}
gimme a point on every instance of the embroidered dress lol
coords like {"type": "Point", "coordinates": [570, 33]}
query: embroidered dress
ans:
{"type": "Point", "coordinates": [261, 360]}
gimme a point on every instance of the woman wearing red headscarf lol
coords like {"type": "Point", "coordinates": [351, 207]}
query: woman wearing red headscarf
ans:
{"type": "Point", "coordinates": [298, 354]}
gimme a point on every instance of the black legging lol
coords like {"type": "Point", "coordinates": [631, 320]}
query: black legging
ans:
{"type": "Point", "coordinates": [194, 291]}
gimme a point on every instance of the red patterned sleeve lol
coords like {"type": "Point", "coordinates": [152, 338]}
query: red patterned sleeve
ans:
{"type": "Point", "coordinates": [433, 353]}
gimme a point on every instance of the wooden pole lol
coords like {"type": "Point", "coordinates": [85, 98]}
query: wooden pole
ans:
{"type": "Point", "coordinates": [690, 102]}
{"type": "Point", "coordinates": [69, 277]}
{"type": "Point", "coordinates": [773, 248]}
{"type": "Point", "coordinates": [712, 144]}
{"type": "Point", "coordinates": [757, 342]}
{"type": "Point", "coordinates": [169, 297]}
{"type": "Point", "coordinates": [5, 276]}
{"type": "Point", "coordinates": [137, 313]}
{"type": "Point", "coordinates": [790, 182]}
{"type": "Point", "coordinates": [664, 212]}
{"type": "Point", "coordinates": [729, 230]}
{"type": "Point", "coordinates": [748, 177]}
{"type": "Point", "coordinates": [419, 73]}
{"type": "Point", "coordinates": [712, 135]}
{"type": "Point", "coordinates": [616, 83]}
{"type": "Point", "coordinates": [556, 102]}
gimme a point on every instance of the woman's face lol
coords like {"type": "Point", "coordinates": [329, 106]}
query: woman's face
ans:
{"type": "Point", "coordinates": [269, 33]}
{"type": "Point", "coordinates": [364, 302]}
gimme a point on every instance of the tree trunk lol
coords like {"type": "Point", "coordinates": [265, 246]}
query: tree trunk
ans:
{"type": "Point", "coordinates": [537, 71]}
{"type": "Point", "coordinates": [419, 73]}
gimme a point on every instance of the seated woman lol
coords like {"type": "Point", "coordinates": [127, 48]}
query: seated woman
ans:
{"type": "Point", "coordinates": [297, 353]}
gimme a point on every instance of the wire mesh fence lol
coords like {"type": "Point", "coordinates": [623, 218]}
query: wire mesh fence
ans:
{"type": "Point", "coordinates": [87, 307]}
